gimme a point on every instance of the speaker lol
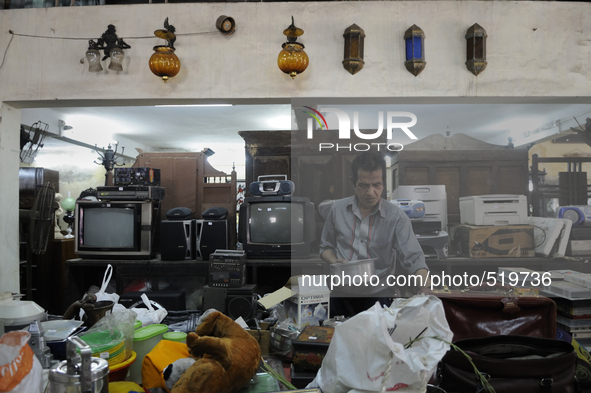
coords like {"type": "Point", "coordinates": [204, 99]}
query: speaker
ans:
{"type": "Point", "coordinates": [215, 213]}
{"type": "Point", "coordinates": [179, 213]}
{"type": "Point", "coordinates": [242, 302]}
{"type": "Point", "coordinates": [211, 235]}
{"type": "Point", "coordinates": [177, 240]}
{"type": "Point", "coordinates": [234, 302]}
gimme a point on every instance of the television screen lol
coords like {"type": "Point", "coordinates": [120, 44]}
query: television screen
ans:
{"type": "Point", "coordinates": [109, 228]}
{"type": "Point", "coordinates": [277, 223]}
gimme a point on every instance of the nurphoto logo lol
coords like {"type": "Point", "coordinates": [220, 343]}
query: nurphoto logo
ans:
{"type": "Point", "coordinates": [345, 129]}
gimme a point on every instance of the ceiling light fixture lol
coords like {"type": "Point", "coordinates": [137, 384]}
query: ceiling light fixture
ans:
{"type": "Point", "coordinates": [164, 62]}
{"type": "Point", "coordinates": [189, 105]}
{"type": "Point", "coordinates": [292, 59]}
{"type": "Point", "coordinates": [111, 45]}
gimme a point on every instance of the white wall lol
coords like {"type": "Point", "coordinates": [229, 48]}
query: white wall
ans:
{"type": "Point", "coordinates": [536, 50]}
{"type": "Point", "coordinates": [10, 119]}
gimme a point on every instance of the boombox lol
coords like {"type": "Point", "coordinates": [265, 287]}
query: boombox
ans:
{"type": "Point", "coordinates": [579, 215]}
{"type": "Point", "coordinates": [271, 187]}
{"type": "Point", "coordinates": [413, 208]}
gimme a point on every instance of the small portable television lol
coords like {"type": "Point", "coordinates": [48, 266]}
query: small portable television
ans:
{"type": "Point", "coordinates": [279, 226]}
{"type": "Point", "coordinates": [115, 229]}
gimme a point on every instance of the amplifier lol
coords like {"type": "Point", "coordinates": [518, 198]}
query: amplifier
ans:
{"type": "Point", "coordinates": [227, 268]}
{"type": "Point", "coordinates": [136, 176]}
{"type": "Point", "coordinates": [130, 193]}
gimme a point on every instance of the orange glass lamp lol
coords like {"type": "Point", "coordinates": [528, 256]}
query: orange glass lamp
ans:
{"type": "Point", "coordinates": [292, 59]}
{"type": "Point", "coordinates": [164, 63]}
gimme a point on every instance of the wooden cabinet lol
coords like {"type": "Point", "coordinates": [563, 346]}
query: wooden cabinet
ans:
{"type": "Point", "coordinates": [464, 165]}
{"type": "Point", "coordinates": [190, 181]}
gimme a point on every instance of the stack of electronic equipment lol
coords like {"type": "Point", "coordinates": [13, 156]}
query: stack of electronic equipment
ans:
{"type": "Point", "coordinates": [226, 288]}
{"type": "Point", "coordinates": [493, 226]}
{"type": "Point", "coordinates": [579, 243]}
{"type": "Point", "coordinates": [122, 222]}
{"type": "Point", "coordinates": [275, 224]}
{"type": "Point", "coordinates": [571, 291]}
{"type": "Point", "coordinates": [426, 206]}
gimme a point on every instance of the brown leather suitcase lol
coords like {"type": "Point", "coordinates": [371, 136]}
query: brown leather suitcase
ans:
{"type": "Point", "coordinates": [475, 313]}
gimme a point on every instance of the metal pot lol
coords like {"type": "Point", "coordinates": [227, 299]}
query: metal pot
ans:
{"type": "Point", "coordinates": [81, 373]}
{"type": "Point", "coordinates": [281, 341]}
{"type": "Point", "coordinates": [354, 268]}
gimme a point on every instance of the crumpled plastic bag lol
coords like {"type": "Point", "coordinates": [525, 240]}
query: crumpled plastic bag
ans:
{"type": "Point", "coordinates": [370, 352]}
{"type": "Point", "coordinates": [150, 315]}
{"type": "Point", "coordinates": [112, 327]}
{"type": "Point", "coordinates": [20, 370]}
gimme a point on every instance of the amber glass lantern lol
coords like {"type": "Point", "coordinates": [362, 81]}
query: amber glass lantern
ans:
{"type": "Point", "coordinates": [164, 62]}
{"type": "Point", "coordinates": [292, 59]}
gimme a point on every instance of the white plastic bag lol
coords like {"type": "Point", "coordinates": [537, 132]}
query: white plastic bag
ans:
{"type": "Point", "coordinates": [150, 315]}
{"type": "Point", "coordinates": [368, 352]}
{"type": "Point", "coordinates": [103, 295]}
{"type": "Point", "coordinates": [20, 370]}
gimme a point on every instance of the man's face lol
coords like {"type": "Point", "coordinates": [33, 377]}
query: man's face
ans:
{"type": "Point", "coordinates": [369, 188]}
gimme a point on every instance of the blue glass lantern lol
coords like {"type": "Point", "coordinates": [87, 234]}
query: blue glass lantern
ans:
{"type": "Point", "coordinates": [414, 40]}
{"type": "Point", "coordinates": [476, 49]}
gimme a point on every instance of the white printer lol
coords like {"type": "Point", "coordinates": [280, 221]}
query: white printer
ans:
{"type": "Point", "coordinates": [493, 209]}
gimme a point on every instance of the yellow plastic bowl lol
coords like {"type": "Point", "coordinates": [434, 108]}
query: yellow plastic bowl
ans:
{"type": "Point", "coordinates": [118, 372]}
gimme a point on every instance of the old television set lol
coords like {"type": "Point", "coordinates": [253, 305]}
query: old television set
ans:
{"type": "Point", "coordinates": [115, 229]}
{"type": "Point", "coordinates": [277, 226]}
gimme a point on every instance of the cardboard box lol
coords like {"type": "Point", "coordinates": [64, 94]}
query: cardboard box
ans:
{"type": "Point", "coordinates": [306, 303]}
{"type": "Point", "coordinates": [514, 241]}
{"type": "Point", "coordinates": [262, 336]}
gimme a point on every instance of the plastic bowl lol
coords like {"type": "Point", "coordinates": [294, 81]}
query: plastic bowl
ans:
{"type": "Point", "coordinates": [118, 372]}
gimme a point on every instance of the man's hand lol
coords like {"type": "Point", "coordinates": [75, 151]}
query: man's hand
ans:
{"type": "Point", "coordinates": [426, 279]}
{"type": "Point", "coordinates": [330, 257]}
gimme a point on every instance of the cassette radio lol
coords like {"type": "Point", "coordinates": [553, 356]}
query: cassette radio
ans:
{"type": "Point", "coordinates": [413, 208]}
{"type": "Point", "coordinates": [227, 268]}
{"type": "Point", "coordinates": [130, 193]}
{"type": "Point", "coordinates": [579, 215]}
{"type": "Point", "coordinates": [136, 177]}
{"type": "Point", "coordinates": [271, 187]}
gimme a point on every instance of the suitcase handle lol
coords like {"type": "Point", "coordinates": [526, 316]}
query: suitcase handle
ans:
{"type": "Point", "coordinates": [503, 289]}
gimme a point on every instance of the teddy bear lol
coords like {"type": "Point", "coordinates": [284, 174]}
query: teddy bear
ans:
{"type": "Point", "coordinates": [226, 357]}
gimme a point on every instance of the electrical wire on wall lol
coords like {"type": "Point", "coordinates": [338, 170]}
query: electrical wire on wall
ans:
{"type": "Point", "coordinates": [85, 39]}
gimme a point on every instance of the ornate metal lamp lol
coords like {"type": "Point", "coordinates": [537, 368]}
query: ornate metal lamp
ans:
{"type": "Point", "coordinates": [476, 49]}
{"type": "Point", "coordinates": [292, 59]}
{"type": "Point", "coordinates": [414, 40]}
{"type": "Point", "coordinates": [112, 46]}
{"type": "Point", "coordinates": [354, 44]}
{"type": "Point", "coordinates": [164, 62]}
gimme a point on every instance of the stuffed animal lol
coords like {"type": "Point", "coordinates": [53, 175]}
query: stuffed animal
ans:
{"type": "Point", "coordinates": [227, 357]}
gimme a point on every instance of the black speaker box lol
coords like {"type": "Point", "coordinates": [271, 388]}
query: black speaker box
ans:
{"type": "Point", "coordinates": [242, 302]}
{"type": "Point", "coordinates": [211, 235]}
{"type": "Point", "coordinates": [234, 302]}
{"type": "Point", "coordinates": [179, 213]}
{"type": "Point", "coordinates": [177, 240]}
{"type": "Point", "coordinates": [215, 213]}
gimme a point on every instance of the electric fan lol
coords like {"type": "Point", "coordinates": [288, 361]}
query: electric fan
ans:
{"type": "Point", "coordinates": [32, 140]}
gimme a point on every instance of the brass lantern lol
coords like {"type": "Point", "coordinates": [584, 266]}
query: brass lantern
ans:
{"type": "Point", "coordinates": [354, 42]}
{"type": "Point", "coordinates": [414, 41]}
{"type": "Point", "coordinates": [476, 49]}
{"type": "Point", "coordinates": [292, 59]}
{"type": "Point", "coordinates": [164, 62]}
